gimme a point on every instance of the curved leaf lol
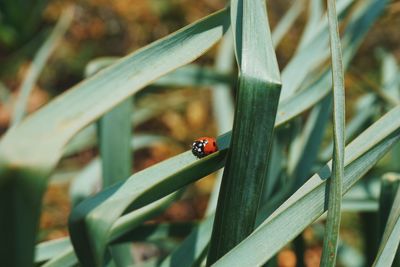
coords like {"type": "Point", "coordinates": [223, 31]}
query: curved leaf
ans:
{"type": "Point", "coordinates": [29, 151]}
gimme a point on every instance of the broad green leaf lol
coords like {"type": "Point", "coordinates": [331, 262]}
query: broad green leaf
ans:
{"type": "Point", "coordinates": [194, 75]}
{"type": "Point", "coordinates": [334, 200]}
{"type": "Point", "coordinates": [307, 204]}
{"type": "Point", "coordinates": [252, 134]}
{"type": "Point", "coordinates": [23, 175]}
{"type": "Point", "coordinates": [189, 75]}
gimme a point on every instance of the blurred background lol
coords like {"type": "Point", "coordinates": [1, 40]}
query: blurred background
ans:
{"type": "Point", "coordinates": [101, 28]}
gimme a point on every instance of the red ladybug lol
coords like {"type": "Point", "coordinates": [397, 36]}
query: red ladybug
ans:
{"type": "Point", "coordinates": [204, 146]}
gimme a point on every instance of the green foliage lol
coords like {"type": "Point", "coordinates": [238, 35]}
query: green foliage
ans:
{"type": "Point", "coordinates": [329, 251]}
{"type": "Point", "coordinates": [276, 181]}
{"type": "Point", "coordinates": [252, 134]}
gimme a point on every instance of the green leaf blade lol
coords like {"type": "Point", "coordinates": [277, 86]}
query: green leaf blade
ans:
{"type": "Point", "coordinates": [331, 235]}
{"type": "Point", "coordinates": [257, 102]}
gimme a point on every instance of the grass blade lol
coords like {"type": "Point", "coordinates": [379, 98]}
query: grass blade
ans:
{"type": "Point", "coordinates": [331, 236]}
{"type": "Point", "coordinates": [287, 21]}
{"type": "Point", "coordinates": [389, 184]}
{"type": "Point", "coordinates": [310, 141]}
{"type": "Point", "coordinates": [115, 136]}
{"type": "Point", "coordinates": [223, 107]}
{"type": "Point", "coordinates": [389, 76]}
{"type": "Point", "coordinates": [252, 134]}
{"type": "Point", "coordinates": [391, 236]}
{"type": "Point", "coordinates": [38, 64]}
{"type": "Point", "coordinates": [315, 12]}
{"type": "Point", "coordinates": [306, 60]}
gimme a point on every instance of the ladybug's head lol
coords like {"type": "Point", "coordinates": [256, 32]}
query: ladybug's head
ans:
{"type": "Point", "coordinates": [198, 148]}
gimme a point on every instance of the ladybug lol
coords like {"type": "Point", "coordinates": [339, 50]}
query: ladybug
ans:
{"type": "Point", "coordinates": [204, 146]}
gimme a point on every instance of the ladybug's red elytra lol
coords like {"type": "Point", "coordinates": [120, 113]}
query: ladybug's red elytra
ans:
{"type": "Point", "coordinates": [204, 146]}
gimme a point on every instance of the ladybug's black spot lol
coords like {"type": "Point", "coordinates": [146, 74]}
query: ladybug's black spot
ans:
{"type": "Point", "coordinates": [214, 144]}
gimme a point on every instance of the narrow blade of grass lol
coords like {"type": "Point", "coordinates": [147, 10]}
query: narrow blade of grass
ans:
{"type": "Point", "coordinates": [308, 59]}
{"type": "Point", "coordinates": [38, 64]}
{"type": "Point", "coordinates": [315, 12]}
{"type": "Point", "coordinates": [115, 134]}
{"type": "Point", "coordinates": [391, 236]}
{"type": "Point", "coordinates": [364, 112]}
{"type": "Point", "coordinates": [223, 107]}
{"type": "Point", "coordinates": [389, 75]}
{"type": "Point", "coordinates": [310, 141]}
{"type": "Point", "coordinates": [287, 21]}
{"type": "Point", "coordinates": [252, 134]}
{"type": "Point", "coordinates": [389, 184]}
{"type": "Point", "coordinates": [334, 184]}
